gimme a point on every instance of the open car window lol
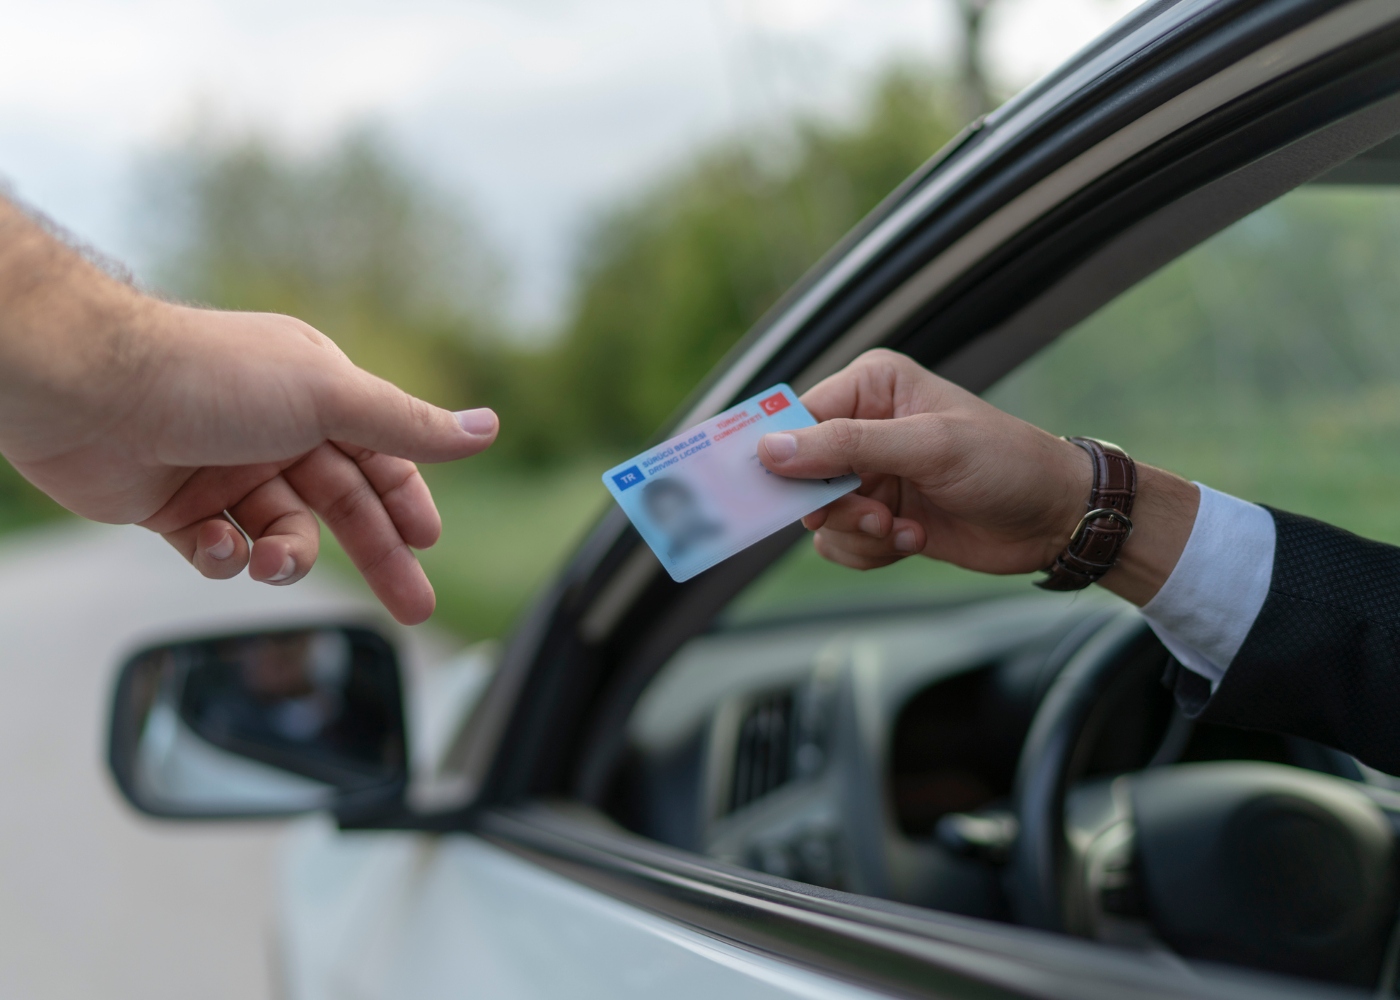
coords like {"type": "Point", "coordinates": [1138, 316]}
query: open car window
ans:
{"type": "Point", "coordinates": [831, 721]}
{"type": "Point", "coordinates": [1264, 363]}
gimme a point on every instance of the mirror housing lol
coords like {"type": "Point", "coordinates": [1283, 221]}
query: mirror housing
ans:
{"type": "Point", "coordinates": [262, 724]}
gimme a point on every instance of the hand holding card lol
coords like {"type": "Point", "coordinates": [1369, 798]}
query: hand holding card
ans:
{"type": "Point", "coordinates": [703, 496]}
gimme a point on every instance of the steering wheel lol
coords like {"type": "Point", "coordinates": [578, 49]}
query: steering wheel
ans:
{"type": "Point", "coordinates": [1243, 862]}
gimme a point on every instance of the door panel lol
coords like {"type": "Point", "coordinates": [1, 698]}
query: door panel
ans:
{"type": "Point", "coordinates": [388, 915]}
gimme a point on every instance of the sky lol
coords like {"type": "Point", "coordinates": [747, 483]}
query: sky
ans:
{"type": "Point", "coordinates": [536, 113]}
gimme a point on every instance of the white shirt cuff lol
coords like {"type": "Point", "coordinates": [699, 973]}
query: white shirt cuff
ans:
{"type": "Point", "coordinates": [1209, 603]}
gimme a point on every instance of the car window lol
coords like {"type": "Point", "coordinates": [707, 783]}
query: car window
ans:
{"type": "Point", "coordinates": [831, 719]}
{"type": "Point", "coordinates": [1265, 363]}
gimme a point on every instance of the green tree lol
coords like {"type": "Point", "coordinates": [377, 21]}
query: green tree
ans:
{"type": "Point", "coordinates": [670, 280]}
{"type": "Point", "coordinates": [1264, 362]}
{"type": "Point", "coordinates": [1296, 301]}
{"type": "Point", "coordinates": [351, 240]}
{"type": "Point", "coordinates": [20, 503]}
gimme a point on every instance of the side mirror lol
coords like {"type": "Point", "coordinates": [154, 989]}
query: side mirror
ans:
{"type": "Point", "coordinates": [262, 724]}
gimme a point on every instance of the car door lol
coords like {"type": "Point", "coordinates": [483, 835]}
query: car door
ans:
{"type": "Point", "coordinates": [1186, 117]}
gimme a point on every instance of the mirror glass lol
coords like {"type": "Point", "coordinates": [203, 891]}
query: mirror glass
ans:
{"type": "Point", "coordinates": [269, 723]}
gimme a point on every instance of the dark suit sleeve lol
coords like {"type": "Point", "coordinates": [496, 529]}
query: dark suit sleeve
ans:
{"type": "Point", "coordinates": [1322, 660]}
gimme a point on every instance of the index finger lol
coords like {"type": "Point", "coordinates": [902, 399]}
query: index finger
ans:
{"type": "Point", "coordinates": [366, 411]}
{"type": "Point", "coordinates": [837, 447]}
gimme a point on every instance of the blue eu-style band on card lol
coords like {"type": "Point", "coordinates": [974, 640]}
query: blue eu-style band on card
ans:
{"type": "Point", "coordinates": [703, 495]}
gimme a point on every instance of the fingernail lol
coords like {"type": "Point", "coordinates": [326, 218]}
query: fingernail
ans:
{"type": "Point", "coordinates": [221, 549]}
{"type": "Point", "coordinates": [781, 447]}
{"type": "Point", "coordinates": [870, 524]}
{"type": "Point", "coordinates": [289, 566]}
{"type": "Point", "coordinates": [480, 421]}
{"type": "Point", "coordinates": [904, 540]}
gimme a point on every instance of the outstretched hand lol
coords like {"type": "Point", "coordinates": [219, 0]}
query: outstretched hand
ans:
{"type": "Point", "coordinates": [947, 475]}
{"type": "Point", "coordinates": [125, 409]}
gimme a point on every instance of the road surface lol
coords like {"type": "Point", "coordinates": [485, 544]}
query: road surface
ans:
{"type": "Point", "coordinates": [94, 900]}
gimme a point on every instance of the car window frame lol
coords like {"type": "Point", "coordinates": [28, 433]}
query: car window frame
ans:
{"type": "Point", "coordinates": [600, 631]}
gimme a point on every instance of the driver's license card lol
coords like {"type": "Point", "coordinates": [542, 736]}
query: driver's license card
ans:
{"type": "Point", "coordinates": [703, 496]}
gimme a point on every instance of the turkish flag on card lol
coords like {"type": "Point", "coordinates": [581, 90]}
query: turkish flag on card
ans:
{"type": "Point", "coordinates": [774, 403]}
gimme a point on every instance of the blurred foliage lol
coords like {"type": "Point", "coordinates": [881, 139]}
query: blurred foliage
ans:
{"type": "Point", "coordinates": [669, 280]}
{"type": "Point", "coordinates": [506, 527]}
{"type": "Point", "coordinates": [352, 241]}
{"type": "Point", "coordinates": [21, 505]}
{"type": "Point", "coordinates": [1295, 304]}
{"type": "Point", "coordinates": [1266, 362]}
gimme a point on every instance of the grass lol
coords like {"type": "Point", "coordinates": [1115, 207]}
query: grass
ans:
{"type": "Point", "coordinates": [504, 531]}
{"type": "Point", "coordinates": [21, 505]}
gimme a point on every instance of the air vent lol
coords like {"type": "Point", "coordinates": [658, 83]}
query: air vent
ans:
{"type": "Point", "coordinates": [763, 758]}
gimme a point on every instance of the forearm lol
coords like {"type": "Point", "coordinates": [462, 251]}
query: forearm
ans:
{"type": "Point", "coordinates": [70, 335]}
{"type": "Point", "coordinates": [1163, 515]}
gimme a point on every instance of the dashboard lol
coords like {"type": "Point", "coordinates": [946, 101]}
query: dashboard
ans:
{"type": "Point", "coordinates": [833, 749]}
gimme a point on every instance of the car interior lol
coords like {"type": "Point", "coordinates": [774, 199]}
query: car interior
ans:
{"type": "Point", "coordinates": [878, 733]}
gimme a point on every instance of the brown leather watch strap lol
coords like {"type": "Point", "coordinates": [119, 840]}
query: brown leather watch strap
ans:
{"type": "Point", "coordinates": [1098, 539]}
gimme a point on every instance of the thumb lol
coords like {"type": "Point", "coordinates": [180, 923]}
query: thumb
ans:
{"type": "Point", "coordinates": [367, 411]}
{"type": "Point", "coordinates": [900, 447]}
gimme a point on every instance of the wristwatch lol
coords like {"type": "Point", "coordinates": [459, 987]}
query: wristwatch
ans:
{"type": "Point", "coordinates": [1098, 539]}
